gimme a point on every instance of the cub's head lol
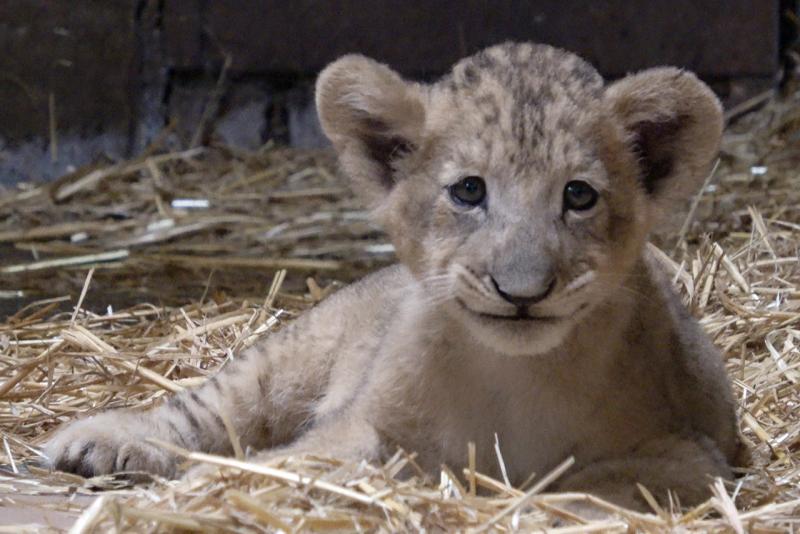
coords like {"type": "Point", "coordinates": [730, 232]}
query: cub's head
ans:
{"type": "Point", "coordinates": [519, 189]}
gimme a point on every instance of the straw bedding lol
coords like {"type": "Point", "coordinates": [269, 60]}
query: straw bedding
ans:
{"type": "Point", "coordinates": [129, 281]}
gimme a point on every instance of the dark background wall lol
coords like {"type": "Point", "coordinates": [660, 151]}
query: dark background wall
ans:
{"type": "Point", "coordinates": [88, 79]}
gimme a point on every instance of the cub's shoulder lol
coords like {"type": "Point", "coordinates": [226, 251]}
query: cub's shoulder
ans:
{"type": "Point", "coordinates": [384, 284]}
{"type": "Point", "coordinates": [365, 303]}
{"type": "Point", "coordinates": [393, 276]}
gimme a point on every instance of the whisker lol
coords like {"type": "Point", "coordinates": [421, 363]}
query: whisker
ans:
{"type": "Point", "coordinates": [474, 283]}
{"type": "Point", "coordinates": [580, 281]}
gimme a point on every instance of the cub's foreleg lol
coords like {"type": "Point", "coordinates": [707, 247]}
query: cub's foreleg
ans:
{"type": "Point", "coordinates": [684, 465]}
{"type": "Point", "coordinates": [268, 394]}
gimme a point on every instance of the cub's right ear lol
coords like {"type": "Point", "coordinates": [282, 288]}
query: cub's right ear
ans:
{"type": "Point", "coordinates": [373, 117]}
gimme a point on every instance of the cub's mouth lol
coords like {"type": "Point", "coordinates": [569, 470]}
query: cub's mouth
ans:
{"type": "Point", "coordinates": [521, 315]}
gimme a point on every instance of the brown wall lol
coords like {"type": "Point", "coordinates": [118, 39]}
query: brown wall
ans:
{"type": "Point", "coordinates": [119, 69]}
{"type": "Point", "coordinates": [715, 38]}
{"type": "Point", "coordinates": [82, 52]}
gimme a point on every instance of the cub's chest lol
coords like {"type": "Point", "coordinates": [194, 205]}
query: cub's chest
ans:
{"type": "Point", "coordinates": [452, 402]}
{"type": "Point", "coordinates": [538, 415]}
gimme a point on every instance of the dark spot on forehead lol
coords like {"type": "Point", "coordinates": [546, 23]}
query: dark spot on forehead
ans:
{"type": "Point", "coordinates": [452, 85]}
{"type": "Point", "coordinates": [543, 96]}
{"type": "Point", "coordinates": [484, 61]}
{"type": "Point", "coordinates": [526, 124]}
{"type": "Point", "coordinates": [585, 73]}
{"type": "Point", "coordinates": [489, 108]}
{"type": "Point", "coordinates": [487, 139]}
{"type": "Point", "coordinates": [566, 121]}
{"type": "Point", "coordinates": [471, 75]}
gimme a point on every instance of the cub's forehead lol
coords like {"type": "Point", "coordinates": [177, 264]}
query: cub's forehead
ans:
{"type": "Point", "coordinates": [521, 80]}
{"type": "Point", "coordinates": [526, 66]}
{"type": "Point", "coordinates": [525, 102]}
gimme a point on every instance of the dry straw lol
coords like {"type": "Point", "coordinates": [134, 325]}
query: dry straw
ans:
{"type": "Point", "coordinates": [130, 281]}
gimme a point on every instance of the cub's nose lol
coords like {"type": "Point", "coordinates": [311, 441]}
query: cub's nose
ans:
{"type": "Point", "coordinates": [525, 300]}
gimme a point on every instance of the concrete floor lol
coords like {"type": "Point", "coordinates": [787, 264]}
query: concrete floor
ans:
{"type": "Point", "coordinates": [56, 512]}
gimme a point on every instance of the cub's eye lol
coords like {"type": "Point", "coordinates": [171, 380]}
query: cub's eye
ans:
{"type": "Point", "coordinates": [469, 191]}
{"type": "Point", "coordinates": [579, 196]}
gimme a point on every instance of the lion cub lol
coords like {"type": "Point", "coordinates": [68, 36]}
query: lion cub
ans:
{"type": "Point", "coordinates": [519, 191]}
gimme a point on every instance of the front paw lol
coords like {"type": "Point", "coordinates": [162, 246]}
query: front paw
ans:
{"type": "Point", "coordinates": [107, 443]}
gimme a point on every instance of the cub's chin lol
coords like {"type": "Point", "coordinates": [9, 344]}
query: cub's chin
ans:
{"type": "Point", "coordinates": [513, 335]}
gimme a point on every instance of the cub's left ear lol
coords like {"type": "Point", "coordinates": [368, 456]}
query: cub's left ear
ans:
{"type": "Point", "coordinates": [674, 126]}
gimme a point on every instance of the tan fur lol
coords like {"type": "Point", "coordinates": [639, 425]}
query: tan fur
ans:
{"type": "Point", "coordinates": [615, 372]}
